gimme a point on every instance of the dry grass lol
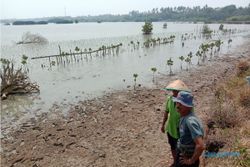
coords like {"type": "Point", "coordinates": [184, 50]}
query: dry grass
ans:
{"type": "Point", "coordinates": [244, 96]}
{"type": "Point", "coordinates": [229, 118]}
{"type": "Point", "coordinates": [225, 115]}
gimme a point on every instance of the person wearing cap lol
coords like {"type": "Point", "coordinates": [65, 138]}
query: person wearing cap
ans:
{"type": "Point", "coordinates": [190, 144]}
{"type": "Point", "coordinates": [171, 118]}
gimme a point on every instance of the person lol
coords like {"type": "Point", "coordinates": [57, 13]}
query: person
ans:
{"type": "Point", "coordinates": [171, 117]}
{"type": "Point", "coordinates": [190, 144]}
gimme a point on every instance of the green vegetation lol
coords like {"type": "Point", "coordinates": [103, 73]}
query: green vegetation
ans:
{"type": "Point", "coordinates": [170, 62]}
{"type": "Point", "coordinates": [153, 69]}
{"type": "Point", "coordinates": [206, 29]}
{"type": "Point", "coordinates": [147, 28]}
{"type": "Point", "coordinates": [135, 79]}
{"type": "Point", "coordinates": [181, 59]}
{"type": "Point", "coordinates": [29, 22]}
{"type": "Point", "coordinates": [206, 14]}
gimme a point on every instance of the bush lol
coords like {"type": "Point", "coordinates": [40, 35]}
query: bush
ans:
{"type": "Point", "coordinates": [242, 67]}
{"type": "Point", "coordinates": [225, 115]}
{"type": "Point", "coordinates": [147, 28]}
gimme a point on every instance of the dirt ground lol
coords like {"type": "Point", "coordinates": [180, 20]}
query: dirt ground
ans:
{"type": "Point", "coordinates": [119, 129]}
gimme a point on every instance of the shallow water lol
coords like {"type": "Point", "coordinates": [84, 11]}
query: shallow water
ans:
{"type": "Point", "coordinates": [93, 77]}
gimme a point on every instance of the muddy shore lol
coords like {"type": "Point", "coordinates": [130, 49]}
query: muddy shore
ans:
{"type": "Point", "coordinates": [119, 129]}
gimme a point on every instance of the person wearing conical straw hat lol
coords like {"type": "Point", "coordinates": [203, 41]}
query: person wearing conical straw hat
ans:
{"type": "Point", "coordinates": [170, 123]}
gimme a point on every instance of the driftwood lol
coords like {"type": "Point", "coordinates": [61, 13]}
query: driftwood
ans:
{"type": "Point", "coordinates": [79, 53]}
{"type": "Point", "coordinates": [29, 38]}
{"type": "Point", "coordinates": [15, 81]}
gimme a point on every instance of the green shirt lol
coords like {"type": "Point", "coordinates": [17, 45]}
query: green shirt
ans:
{"type": "Point", "coordinates": [172, 126]}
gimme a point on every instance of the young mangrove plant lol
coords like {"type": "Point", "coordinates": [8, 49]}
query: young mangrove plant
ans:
{"type": "Point", "coordinates": [218, 44]}
{"type": "Point", "coordinates": [206, 31]}
{"type": "Point", "coordinates": [221, 27]}
{"type": "Point", "coordinates": [24, 63]}
{"type": "Point", "coordinates": [153, 69]}
{"type": "Point", "coordinates": [188, 61]}
{"type": "Point", "coordinates": [211, 48]}
{"type": "Point", "coordinates": [147, 28]}
{"type": "Point", "coordinates": [135, 78]}
{"type": "Point", "coordinates": [181, 58]}
{"type": "Point", "coordinates": [229, 41]}
{"type": "Point", "coordinates": [199, 55]}
{"type": "Point", "coordinates": [170, 62]}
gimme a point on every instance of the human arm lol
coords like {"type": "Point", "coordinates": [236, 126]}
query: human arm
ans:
{"type": "Point", "coordinates": [197, 134]}
{"type": "Point", "coordinates": [199, 147]}
{"type": "Point", "coordinates": [165, 118]}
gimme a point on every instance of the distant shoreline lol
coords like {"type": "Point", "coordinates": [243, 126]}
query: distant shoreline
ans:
{"type": "Point", "coordinates": [18, 23]}
{"type": "Point", "coordinates": [228, 14]}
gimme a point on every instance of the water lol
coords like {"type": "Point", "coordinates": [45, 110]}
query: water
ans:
{"type": "Point", "coordinates": [93, 77]}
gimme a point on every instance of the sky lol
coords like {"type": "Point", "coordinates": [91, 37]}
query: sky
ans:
{"type": "Point", "coordinates": [21, 9]}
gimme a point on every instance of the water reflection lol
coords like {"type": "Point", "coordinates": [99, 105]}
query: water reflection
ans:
{"type": "Point", "coordinates": [17, 105]}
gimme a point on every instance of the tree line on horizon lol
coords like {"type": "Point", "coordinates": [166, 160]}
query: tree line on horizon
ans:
{"type": "Point", "coordinates": [180, 13]}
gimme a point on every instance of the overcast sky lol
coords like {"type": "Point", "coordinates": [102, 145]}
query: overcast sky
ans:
{"type": "Point", "coordinates": [44, 8]}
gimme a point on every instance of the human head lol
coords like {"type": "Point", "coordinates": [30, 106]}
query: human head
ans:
{"type": "Point", "coordinates": [177, 86]}
{"type": "Point", "coordinates": [184, 102]}
{"type": "Point", "coordinates": [175, 93]}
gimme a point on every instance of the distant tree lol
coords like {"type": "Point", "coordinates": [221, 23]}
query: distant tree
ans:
{"type": "Point", "coordinates": [147, 28]}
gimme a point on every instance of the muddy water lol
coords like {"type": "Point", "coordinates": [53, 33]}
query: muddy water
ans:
{"type": "Point", "coordinates": [63, 85]}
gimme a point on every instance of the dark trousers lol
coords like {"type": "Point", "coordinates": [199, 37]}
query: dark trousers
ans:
{"type": "Point", "coordinates": [178, 164]}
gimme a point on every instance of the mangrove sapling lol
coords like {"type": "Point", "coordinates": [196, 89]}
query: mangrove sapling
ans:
{"type": "Point", "coordinates": [147, 28]}
{"type": "Point", "coordinates": [199, 55]}
{"type": "Point", "coordinates": [24, 63]}
{"type": "Point", "coordinates": [211, 47]}
{"type": "Point", "coordinates": [181, 58]}
{"type": "Point", "coordinates": [188, 61]}
{"type": "Point", "coordinates": [221, 27]}
{"type": "Point", "coordinates": [206, 31]}
{"type": "Point", "coordinates": [153, 69]}
{"type": "Point", "coordinates": [135, 78]}
{"type": "Point", "coordinates": [90, 52]}
{"type": "Point", "coordinates": [204, 48]}
{"type": "Point", "coordinates": [229, 41]}
{"type": "Point", "coordinates": [218, 45]}
{"type": "Point", "coordinates": [190, 55]}
{"type": "Point", "coordinates": [15, 81]}
{"type": "Point", "coordinates": [170, 62]}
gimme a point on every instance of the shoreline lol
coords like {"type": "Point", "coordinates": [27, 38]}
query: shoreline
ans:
{"type": "Point", "coordinates": [118, 129]}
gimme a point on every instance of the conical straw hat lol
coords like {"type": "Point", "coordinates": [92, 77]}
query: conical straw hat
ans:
{"type": "Point", "coordinates": [177, 85]}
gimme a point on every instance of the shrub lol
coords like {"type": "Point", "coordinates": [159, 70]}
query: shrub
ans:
{"type": "Point", "coordinates": [225, 115]}
{"type": "Point", "coordinates": [242, 67]}
{"type": "Point", "coordinates": [147, 28]}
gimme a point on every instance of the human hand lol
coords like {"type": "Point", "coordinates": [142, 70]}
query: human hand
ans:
{"type": "Point", "coordinates": [162, 129]}
{"type": "Point", "coordinates": [186, 161]}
